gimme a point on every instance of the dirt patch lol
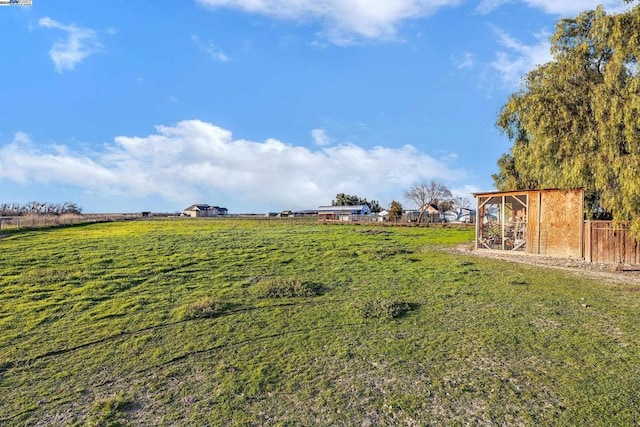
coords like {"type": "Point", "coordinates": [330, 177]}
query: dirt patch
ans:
{"type": "Point", "coordinates": [620, 273]}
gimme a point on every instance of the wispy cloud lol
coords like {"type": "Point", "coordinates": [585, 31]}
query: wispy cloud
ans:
{"type": "Point", "coordinates": [79, 44]}
{"type": "Point", "coordinates": [555, 7]}
{"type": "Point", "coordinates": [195, 160]}
{"type": "Point", "coordinates": [341, 21]}
{"type": "Point", "coordinates": [320, 137]}
{"type": "Point", "coordinates": [210, 48]}
{"type": "Point", "coordinates": [518, 58]}
{"type": "Point", "coordinates": [486, 6]}
{"type": "Point", "coordinates": [466, 61]}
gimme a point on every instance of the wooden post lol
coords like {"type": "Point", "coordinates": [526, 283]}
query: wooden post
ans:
{"type": "Point", "coordinates": [477, 220]}
{"type": "Point", "coordinates": [588, 254]}
{"type": "Point", "coordinates": [539, 218]}
{"type": "Point", "coordinates": [502, 220]}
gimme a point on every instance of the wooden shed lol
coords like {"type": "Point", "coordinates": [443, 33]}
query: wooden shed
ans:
{"type": "Point", "coordinates": [545, 222]}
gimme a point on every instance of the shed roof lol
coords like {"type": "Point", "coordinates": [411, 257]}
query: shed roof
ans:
{"type": "Point", "coordinates": [204, 207]}
{"type": "Point", "coordinates": [512, 192]}
{"type": "Point", "coordinates": [346, 208]}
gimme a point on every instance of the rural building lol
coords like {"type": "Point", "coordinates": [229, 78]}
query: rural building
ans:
{"type": "Point", "coordinates": [551, 222]}
{"type": "Point", "coordinates": [431, 214]}
{"type": "Point", "coordinates": [344, 213]}
{"type": "Point", "coordinates": [544, 222]}
{"type": "Point", "coordinates": [205, 211]}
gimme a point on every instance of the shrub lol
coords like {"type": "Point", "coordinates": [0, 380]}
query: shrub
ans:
{"type": "Point", "coordinates": [110, 411]}
{"type": "Point", "coordinates": [204, 308]}
{"type": "Point", "coordinates": [278, 287]}
{"type": "Point", "coordinates": [383, 308]}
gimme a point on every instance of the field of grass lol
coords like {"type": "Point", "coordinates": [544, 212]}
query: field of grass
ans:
{"type": "Point", "coordinates": [188, 322]}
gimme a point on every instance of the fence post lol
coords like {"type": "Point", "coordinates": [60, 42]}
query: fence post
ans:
{"type": "Point", "coordinates": [588, 255]}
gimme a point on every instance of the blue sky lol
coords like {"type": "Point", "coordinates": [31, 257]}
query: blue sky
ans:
{"type": "Point", "coordinates": [259, 105]}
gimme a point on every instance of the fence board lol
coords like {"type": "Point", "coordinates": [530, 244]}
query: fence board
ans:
{"type": "Point", "coordinates": [609, 243]}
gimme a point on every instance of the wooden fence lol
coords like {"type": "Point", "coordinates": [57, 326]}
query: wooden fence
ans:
{"type": "Point", "coordinates": [606, 242]}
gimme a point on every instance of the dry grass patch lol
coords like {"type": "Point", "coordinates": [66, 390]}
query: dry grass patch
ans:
{"type": "Point", "coordinates": [280, 287]}
{"type": "Point", "coordinates": [382, 308]}
{"type": "Point", "coordinates": [204, 308]}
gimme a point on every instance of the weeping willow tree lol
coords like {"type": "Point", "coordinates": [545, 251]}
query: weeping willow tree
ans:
{"type": "Point", "coordinates": [575, 122]}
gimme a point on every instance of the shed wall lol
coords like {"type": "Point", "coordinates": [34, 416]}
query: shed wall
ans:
{"type": "Point", "coordinates": [561, 223]}
{"type": "Point", "coordinates": [554, 220]}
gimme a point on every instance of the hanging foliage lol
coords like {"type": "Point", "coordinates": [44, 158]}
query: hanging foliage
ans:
{"type": "Point", "coordinates": [575, 122]}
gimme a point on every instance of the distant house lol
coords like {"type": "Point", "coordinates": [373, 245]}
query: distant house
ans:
{"type": "Point", "coordinates": [344, 213]}
{"type": "Point", "coordinates": [205, 211]}
{"type": "Point", "coordinates": [431, 214]}
{"type": "Point", "coordinates": [462, 215]}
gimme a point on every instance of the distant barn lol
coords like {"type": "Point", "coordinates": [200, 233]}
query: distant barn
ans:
{"type": "Point", "coordinates": [344, 213]}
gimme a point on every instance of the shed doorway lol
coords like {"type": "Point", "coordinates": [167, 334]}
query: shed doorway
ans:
{"type": "Point", "coordinates": [502, 222]}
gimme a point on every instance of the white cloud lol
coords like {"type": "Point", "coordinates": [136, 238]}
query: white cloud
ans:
{"type": "Point", "coordinates": [342, 21]}
{"type": "Point", "coordinates": [320, 137]}
{"type": "Point", "coordinates": [210, 48]}
{"type": "Point", "coordinates": [23, 162]}
{"type": "Point", "coordinates": [572, 7]}
{"type": "Point", "coordinates": [71, 51]}
{"type": "Point", "coordinates": [466, 192]}
{"type": "Point", "coordinates": [556, 7]}
{"type": "Point", "coordinates": [519, 58]}
{"type": "Point", "coordinates": [195, 160]}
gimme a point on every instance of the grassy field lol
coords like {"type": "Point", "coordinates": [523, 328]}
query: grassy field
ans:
{"type": "Point", "coordinates": [190, 322]}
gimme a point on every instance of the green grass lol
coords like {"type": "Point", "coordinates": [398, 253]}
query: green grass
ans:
{"type": "Point", "coordinates": [284, 323]}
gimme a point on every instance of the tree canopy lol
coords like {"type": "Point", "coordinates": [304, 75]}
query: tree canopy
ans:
{"type": "Point", "coordinates": [395, 210]}
{"type": "Point", "coordinates": [575, 122]}
{"type": "Point", "coordinates": [352, 200]}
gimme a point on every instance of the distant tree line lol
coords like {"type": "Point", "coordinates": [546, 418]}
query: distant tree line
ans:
{"type": "Point", "coordinates": [434, 194]}
{"type": "Point", "coordinates": [39, 208]}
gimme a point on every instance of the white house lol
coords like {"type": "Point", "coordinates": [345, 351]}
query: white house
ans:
{"type": "Point", "coordinates": [205, 211]}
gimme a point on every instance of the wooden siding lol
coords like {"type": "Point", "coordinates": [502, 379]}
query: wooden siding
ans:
{"type": "Point", "coordinates": [561, 223]}
{"type": "Point", "coordinates": [606, 242]}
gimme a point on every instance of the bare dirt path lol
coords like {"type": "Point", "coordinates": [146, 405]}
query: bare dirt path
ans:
{"type": "Point", "coordinates": [619, 273]}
